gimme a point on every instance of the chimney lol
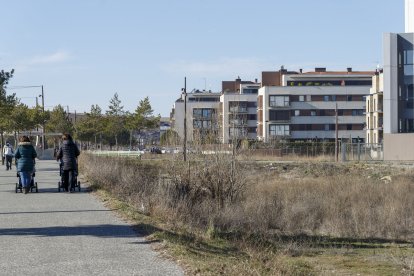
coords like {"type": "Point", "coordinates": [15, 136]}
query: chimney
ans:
{"type": "Point", "coordinates": [320, 69]}
{"type": "Point", "coordinates": [301, 70]}
{"type": "Point", "coordinates": [349, 69]}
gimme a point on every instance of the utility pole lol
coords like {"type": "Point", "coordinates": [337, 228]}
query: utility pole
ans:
{"type": "Point", "coordinates": [43, 126]}
{"type": "Point", "coordinates": [336, 132]}
{"type": "Point", "coordinates": [185, 120]}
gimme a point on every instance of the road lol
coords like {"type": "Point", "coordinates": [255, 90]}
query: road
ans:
{"type": "Point", "coordinates": [50, 233]}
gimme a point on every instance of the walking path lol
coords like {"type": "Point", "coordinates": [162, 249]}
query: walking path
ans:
{"type": "Point", "coordinates": [50, 233]}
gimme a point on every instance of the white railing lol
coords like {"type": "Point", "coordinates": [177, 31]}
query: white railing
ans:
{"type": "Point", "coordinates": [135, 154]}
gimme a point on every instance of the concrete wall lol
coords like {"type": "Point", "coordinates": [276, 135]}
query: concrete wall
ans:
{"type": "Point", "coordinates": [399, 147]}
{"type": "Point", "coordinates": [390, 83]}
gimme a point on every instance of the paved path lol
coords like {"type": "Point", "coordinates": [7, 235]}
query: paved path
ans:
{"type": "Point", "coordinates": [52, 233]}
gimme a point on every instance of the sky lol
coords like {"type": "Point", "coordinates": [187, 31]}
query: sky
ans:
{"type": "Point", "coordinates": [85, 51]}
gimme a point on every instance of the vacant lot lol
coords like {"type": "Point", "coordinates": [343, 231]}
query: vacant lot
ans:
{"type": "Point", "coordinates": [220, 215]}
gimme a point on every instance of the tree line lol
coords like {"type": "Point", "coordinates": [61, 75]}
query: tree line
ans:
{"type": "Point", "coordinates": [115, 127]}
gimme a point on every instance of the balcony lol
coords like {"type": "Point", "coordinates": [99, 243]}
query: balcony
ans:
{"type": "Point", "coordinates": [236, 109]}
{"type": "Point", "coordinates": [237, 122]}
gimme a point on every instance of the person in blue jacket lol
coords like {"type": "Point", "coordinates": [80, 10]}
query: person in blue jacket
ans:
{"type": "Point", "coordinates": [25, 155]}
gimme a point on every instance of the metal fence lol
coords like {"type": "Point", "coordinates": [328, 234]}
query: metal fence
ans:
{"type": "Point", "coordinates": [324, 151]}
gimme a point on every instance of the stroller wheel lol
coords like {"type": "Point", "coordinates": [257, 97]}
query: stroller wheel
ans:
{"type": "Point", "coordinates": [17, 188]}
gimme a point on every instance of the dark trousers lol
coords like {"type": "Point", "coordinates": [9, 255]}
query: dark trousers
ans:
{"type": "Point", "coordinates": [68, 179]}
{"type": "Point", "coordinates": [9, 160]}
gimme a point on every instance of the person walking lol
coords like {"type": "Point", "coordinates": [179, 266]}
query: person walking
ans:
{"type": "Point", "coordinates": [68, 154]}
{"type": "Point", "coordinates": [8, 154]}
{"type": "Point", "coordinates": [25, 155]}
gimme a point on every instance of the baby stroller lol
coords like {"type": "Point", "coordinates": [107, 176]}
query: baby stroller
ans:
{"type": "Point", "coordinates": [61, 185]}
{"type": "Point", "coordinates": [33, 184]}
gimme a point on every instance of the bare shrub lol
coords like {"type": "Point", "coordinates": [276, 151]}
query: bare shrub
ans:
{"type": "Point", "coordinates": [215, 193]}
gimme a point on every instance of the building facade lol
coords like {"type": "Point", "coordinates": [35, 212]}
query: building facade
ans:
{"type": "Point", "coordinates": [304, 106]}
{"type": "Point", "coordinates": [399, 90]}
{"type": "Point", "coordinates": [202, 115]}
{"type": "Point", "coordinates": [374, 111]}
{"type": "Point", "coordinates": [238, 113]}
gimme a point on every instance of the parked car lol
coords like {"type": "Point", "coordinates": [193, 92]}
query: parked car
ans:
{"type": "Point", "coordinates": [156, 150]}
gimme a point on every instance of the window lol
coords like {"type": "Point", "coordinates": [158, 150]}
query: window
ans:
{"type": "Point", "coordinates": [278, 101]}
{"type": "Point", "coordinates": [313, 113]}
{"type": "Point", "coordinates": [408, 63]}
{"type": "Point", "coordinates": [251, 104]}
{"type": "Point", "coordinates": [197, 112]}
{"type": "Point", "coordinates": [308, 98]}
{"type": "Point", "coordinates": [327, 127]}
{"type": "Point", "coordinates": [279, 115]}
{"type": "Point", "coordinates": [297, 112]}
{"type": "Point", "coordinates": [250, 91]}
{"type": "Point", "coordinates": [238, 106]}
{"type": "Point", "coordinates": [348, 127]}
{"type": "Point", "coordinates": [197, 123]}
{"type": "Point", "coordinates": [203, 113]}
{"type": "Point", "coordinates": [333, 98]}
{"type": "Point", "coordinates": [301, 98]}
{"type": "Point", "coordinates": [357, 112]}
{"type": "Point", "coordinates": [279, 130]}
{"type": "Point", "coordinates": [252, 117]}
{"type": "Point", "coordinates": [206, 113]}
{"type": "Point", "coordinates": [349, 98]}
{"type": "Point", "coordinates": [326, 98]}
{"type": "Point", "coordinates": [340, 112]}
{"type": "Point", "coordinates": [237, 132]}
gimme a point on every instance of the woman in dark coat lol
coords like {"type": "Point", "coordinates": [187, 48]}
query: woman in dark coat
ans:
{"type": "Point", "coordinates": [68, 154]}
{"type": "Point", "coordinates": [25, 156]}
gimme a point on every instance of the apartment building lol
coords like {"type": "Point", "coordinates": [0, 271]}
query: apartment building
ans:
{"type": "Point", "coordinates": [399, 90]}
{"type": "Point", "coordinates": [374, 111]}
{"type": "Point", "coordinates": [219, 116]}
{"type": "Point", "coordinates": [302, 106]}
{"type": "Point", "coordinates": [202, 115]}
{"type": "Point", "coordinates": [238, 112]}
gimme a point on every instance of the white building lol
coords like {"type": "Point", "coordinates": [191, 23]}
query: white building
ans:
{"type": "Point", "coordinates": [239, 113]}
{"type": "Point", "coordinates": [374, 111]}
{"type": "Point", "coordinates": [409, 16]}
{"type": "Point", "coordinates": [303, 106]}
{"type": "Point", "coordinates": [202, 120]}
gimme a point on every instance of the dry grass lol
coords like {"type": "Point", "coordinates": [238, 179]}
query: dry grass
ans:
{"type": "Point", "coordinates": [275, 215]}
